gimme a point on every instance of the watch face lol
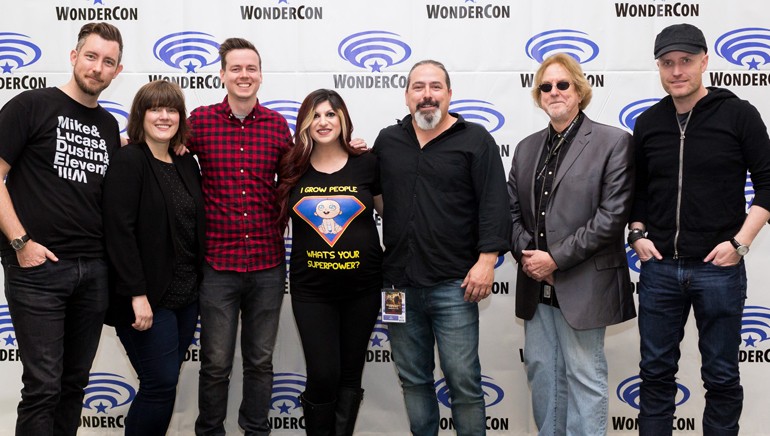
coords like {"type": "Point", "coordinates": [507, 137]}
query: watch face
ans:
{"type": "Point", "coordinates": [742, 250]}
{"type": "Point", "coordinates": [17, 244]}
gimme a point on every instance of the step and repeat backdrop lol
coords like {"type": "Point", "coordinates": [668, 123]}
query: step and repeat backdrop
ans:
{"type": "Point", "coordinates": [364, 49]}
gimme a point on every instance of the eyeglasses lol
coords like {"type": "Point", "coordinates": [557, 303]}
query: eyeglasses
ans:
{"type": "Point", "coordinates": [547, 87]}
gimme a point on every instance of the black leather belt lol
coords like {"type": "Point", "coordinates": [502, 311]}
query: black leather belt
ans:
{"type": "Point", "coordinates": [548, 295]}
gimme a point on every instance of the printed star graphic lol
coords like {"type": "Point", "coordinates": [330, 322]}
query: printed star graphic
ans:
{"type": "Point", "coordinates": [376, 65]}
{"type": "Point", "coordinates": [283, 1]}
{"type": "Point", "coordinates": [471, 1]}
{"type": "Point", "coordinates": [753, 64]}
{"type": "Point", "coordinates": [190, 67]}
{"type": "Point", "coordinates": [7, 67]}
{"type": "Point", "coordinates": [98, 2]}
{"type": "Point", "coordinates": [284, 408]}
{"type": "Point", "coordinates": [101, 408]}
{"type": "Point", "coordinates": [9, 340]}
{"type": "Point", "coordinates": [196, 341]}
{"type": "Point", "coordinates": [750, 341]}
{"type": "Point", "coordinates": [376, 341]}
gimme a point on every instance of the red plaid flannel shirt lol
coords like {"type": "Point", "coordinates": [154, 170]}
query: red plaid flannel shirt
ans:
{"type": "Point", "coordinates": [239, 160]}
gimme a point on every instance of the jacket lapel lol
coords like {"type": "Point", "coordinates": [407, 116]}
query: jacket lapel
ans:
{"type": "Point", "coordinates": [579, 143]}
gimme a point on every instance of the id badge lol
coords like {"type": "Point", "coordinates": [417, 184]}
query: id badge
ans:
{"type": "Point", "coordinates": [393, 305]}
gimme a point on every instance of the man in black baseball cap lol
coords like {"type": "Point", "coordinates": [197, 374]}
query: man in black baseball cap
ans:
{"type": "Point", "coordinates": [680, 37]}
{"type": "Point", "coordinates": [690, 231]}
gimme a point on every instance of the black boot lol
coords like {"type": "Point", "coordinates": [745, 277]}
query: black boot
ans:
{"type": "Point", "coordinates": [348, 402]}
{"type": "Point", "coordinates": [319, 418]}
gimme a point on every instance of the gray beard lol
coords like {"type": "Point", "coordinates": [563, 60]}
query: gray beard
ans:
{"type": "Point", "coordinates": [428, 121]}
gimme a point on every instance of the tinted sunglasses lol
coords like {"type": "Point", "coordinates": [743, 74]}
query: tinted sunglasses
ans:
{"type": "Point", "coordinates": [547, 87]}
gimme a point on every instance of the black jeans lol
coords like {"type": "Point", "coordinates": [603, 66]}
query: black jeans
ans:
{"type": "Point", "coordinates": [335, 336]}
{"type": "Point", "coordinates": [57, 310]}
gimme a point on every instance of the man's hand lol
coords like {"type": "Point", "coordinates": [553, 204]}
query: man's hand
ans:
{"type": "Point", "coordinates": [646, 250]}
{"type": "Point", "coordinates": [34, 254]}
{"type": "Point", "coordinates": [180, 150]}
{"type": "Point", "coordinates": [142, 312]}
{"type": "Point", "coordinates": [723, 254]}
{"type": "Point", "coordinates": [358, 144]}
{"type": "Point", "coordinates": [478, 282]}
{"type": "Point", "coordinates": [537, 264]}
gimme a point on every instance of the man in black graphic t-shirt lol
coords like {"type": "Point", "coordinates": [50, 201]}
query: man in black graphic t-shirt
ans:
{"type": "Point", "coordinates": [55, 148]}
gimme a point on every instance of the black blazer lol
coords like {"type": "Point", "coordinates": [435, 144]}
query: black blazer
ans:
{"type": "Point", "coordinates": [139, 230]}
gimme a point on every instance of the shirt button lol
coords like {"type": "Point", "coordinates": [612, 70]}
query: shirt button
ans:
{"type": "Point", "coordinates": [541, 235]}
{"type": "Point", "coordinates": [546, 192]}
{"type": "Point", "coordinates": [241, 148]}
{"type": "Point", "coordinates": [247, 236]}
{"type": "Point", "coordinates": [550, 172]}
{"type": "Point", "coordinates": [245, 214]}
{"type": "Point", "coordinates": [542, 213]}
{"type": "Point", "coordinates": [242, 172]}
{"type": "Point", "coordinates": [243, 192]}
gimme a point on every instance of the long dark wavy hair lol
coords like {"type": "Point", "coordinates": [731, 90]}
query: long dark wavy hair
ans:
{"type": "Point", "coordinates": [296, 161]}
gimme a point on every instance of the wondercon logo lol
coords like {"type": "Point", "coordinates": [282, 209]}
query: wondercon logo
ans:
{"type": "Point", "coordinates": [117, 111]}
{"type": "Point", "coordinates": [286, 389]}
{"type": "Point", "coordinates": [479, 111]}
{"type": "Point", "coordinates": [380, 333]}
{"type": "Point", "coordinates": [188, 51]}
{"type": "Point", "coordinates": [747, 46]}
{"type": "Point", "coordinates": [631, 112]}
{"type": "Point", "coordinates": [287, 244]}
{"type": "Point", "coordinates": [7, 333]}
{"type": "Point", "coordinates": [755, 325]}
{"type": "Point", "coordinates": [628, 392]}
{"type": "Point", "coordinates": [499, 261]}
{"type": "Point", "coordinates": [289, 109]}
{"type": "Point", "coordinates": [196, 339]}
{"type": "Point", "coordinates": [493, 393]}
{"type": "Point", "coordinates": [374, 49]}
{"type": "Point", "coordinates": [572, 42]}
{"type": "Point", "coordinates": [16, 51]}
{"type": "Point", "coordinates": [633, 259]}
{"type": "Point", "coordinates": [107, 391]}
{"type": "Point", "coordinates": [748, 191]}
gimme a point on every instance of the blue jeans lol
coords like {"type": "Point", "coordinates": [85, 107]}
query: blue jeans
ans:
{"type": "Point", "coordinates": [57, 310]}
{"type": "Point", "coordinates": [157, 355]}
{"type": "Point", "coordinates": [667, 290]}
{"type": "Point", "coordinates": [567, 374]}
{"type": "Point", "coordinates": [438, 314]}
{"type": "Point", "coordinates": [257, 297]}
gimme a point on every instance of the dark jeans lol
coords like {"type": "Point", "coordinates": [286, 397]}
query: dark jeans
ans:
{"type": "Point", "coordinates": [335, 335]}
{"type": "Point", "coordinates": [157, 355]}
{"type": "Point", "coordinates": [257, 297]}
{"type": "Point", "coordinates": [57, 310]}
{"type": "Point", "coordinates": [667, 290]}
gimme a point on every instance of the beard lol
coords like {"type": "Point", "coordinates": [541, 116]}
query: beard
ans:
{"type": "Point", "coordinates": [90, 90]}
{"type": "Point", "coordinates": [427, 121]}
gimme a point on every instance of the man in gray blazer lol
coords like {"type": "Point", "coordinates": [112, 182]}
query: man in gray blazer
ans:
{"type": "Point", "coordinates": [570, 189]}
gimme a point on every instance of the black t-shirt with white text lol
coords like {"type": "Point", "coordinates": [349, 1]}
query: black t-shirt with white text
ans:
{"type": "Point", "coordinates": [58, 151]}
{"type": "Point", "coordinates": [335, 248]}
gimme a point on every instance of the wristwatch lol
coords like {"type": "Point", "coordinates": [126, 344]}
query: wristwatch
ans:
{"type": "Point", "coordinates": [20, 242]}
{"type": "Point", "coordinates": [741, 249]}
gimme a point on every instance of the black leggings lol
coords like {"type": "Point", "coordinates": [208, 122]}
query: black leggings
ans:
{"type": "Point", "coordinates": [335, 336]}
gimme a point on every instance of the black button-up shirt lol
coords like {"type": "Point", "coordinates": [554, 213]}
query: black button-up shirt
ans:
{"type": "Point", "coordinates": [444, 203]}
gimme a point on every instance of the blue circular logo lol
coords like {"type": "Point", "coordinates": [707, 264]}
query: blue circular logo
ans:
{"type": "Point", "coordinates": [374, 49]}
{"type": "Point", "coordinates": [572, 42]}
{"type": "Point", "coordinates": [188, 51]}
{"type": "Point", "coordinates": [748, 46]}
{"type": "Point", "coordinates": [479, 111]}
{"type": "Point", "coordinates": [17, 52]}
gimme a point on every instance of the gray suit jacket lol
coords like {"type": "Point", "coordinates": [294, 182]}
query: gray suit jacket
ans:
{"type": "Point", "coordinates": [585, 220]}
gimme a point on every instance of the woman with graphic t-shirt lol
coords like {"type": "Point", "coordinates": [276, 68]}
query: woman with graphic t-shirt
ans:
{"type": "Point", "coordinates": [329, 190]}
{"type": "Point", "coordinates": [153, 229]}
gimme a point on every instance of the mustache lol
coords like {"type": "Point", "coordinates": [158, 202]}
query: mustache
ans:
{"type": "Point", "coordinates": [427, 103]}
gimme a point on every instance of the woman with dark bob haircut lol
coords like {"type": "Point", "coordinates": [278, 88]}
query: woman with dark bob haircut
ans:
{"type": "Point", "coordinates": [153, 227]}
{"type": "Point", "coordinates": [329, 190]}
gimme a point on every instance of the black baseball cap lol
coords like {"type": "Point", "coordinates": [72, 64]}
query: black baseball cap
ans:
{"type": "Point", "coordinates": [680, 37]}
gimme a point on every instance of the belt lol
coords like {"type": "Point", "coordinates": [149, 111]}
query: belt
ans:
{"type": "Point", "coordinates": [548, 295]}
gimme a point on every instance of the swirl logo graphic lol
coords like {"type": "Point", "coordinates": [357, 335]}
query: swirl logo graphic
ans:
{"type": "Point", "coordinates": [628, 392]}
{"type": "Point", "coordinates": [479, 111]}
{"type": "Point", "coordinates": [107, 391]}
{"type": "Point", "coordinates": [748, 191]}
{"type": "Point", "coordinates": [189, 51]}
{"type": "Point", "coordinates": [286, 389]}
{"type": "Point", "coordinates": [7, 333]}
{"type": "Point", "coordinates": [117, 111]}
{"type": "Point", "coordinates": [572, 42]}
{"type": "Point", "coordinates": [17, 52]}
{"type": "Point", "coordinates": [631, 112]}
{"type": "Point", "coordinates": [374, 49]}
{"type": "Point", "coordinates": [380, 333]}
{"type": "Point", "coordinates": [493, 393]}
{"type": "Point", "coordinates": [196, 339]}
{"type": "Point", "coordinates": [289, 109]}
{"type": "Point", "coordinates": [633, 259]}
{"type": "Point", "coordinates": [749, 46]}
{"type": "Point", "coordinates": [287, 244]}
{"type": "Point", "coordinates": [499, 261]}
{"type": "Point", "coordinates": [755, 325]}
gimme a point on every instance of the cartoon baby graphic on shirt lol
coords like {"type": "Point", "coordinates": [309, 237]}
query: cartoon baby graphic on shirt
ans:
{"type": "Point", "coordinates": [327, 210]}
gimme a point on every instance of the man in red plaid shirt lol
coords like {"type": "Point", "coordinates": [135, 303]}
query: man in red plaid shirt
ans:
{"type": "Point", "coordinates": [238, 143]}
